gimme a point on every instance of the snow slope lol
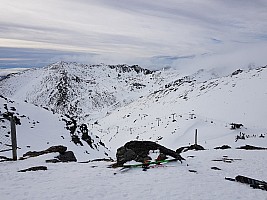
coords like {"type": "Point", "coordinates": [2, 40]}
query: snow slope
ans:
{"type": "Point", "coordinates": [172, 113]}
{"type": "Point", "coordinates": [95, 181]}
{"type": "Point", "coordinates": [40, 129]}
{"type": "Point", "coordinates": [168, 110]}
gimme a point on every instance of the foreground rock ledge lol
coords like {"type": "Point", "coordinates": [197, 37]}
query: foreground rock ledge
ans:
{"type": "Point", "coordinates": [37, 168]}
{"type": "Point", "coordinates": [139, 152]}
{"type": "Point", "coordinates": [64, 155]}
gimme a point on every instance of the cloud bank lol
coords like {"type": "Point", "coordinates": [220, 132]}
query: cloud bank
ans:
{"type": "Point", "coordinates": [181, 34]}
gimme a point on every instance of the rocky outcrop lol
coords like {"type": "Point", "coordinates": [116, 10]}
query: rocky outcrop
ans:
{"type": "Point", "coordinates": [139, 151]}
{"type": "Point", "coordinates": [37, 168]}
{"type": "Point", "coordinates": [67, 156]}
{"type": "Point", "coordinates": [64, 155]}
{"type": "Point", "coordinates": [195, 147]}
{"type": "Point", "coordinates": [250, 147]}
{"type": "Point", "coordinates": [223, 147]}
{"type": "Point", "coordinates": [52, 149]}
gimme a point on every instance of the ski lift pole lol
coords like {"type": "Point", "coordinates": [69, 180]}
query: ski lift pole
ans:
{"type": "Point", "coordinates": [196, 137]}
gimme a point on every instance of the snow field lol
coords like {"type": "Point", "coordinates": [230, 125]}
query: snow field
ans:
{"type": "Point", "coordinates": [96, 181]}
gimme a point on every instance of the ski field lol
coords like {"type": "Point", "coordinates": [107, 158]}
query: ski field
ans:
{"type": "Point", "coordinates": [167, 107]}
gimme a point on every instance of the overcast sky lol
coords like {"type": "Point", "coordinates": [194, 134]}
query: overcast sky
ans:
{"type": "Point", "coordinates": [152, 33]}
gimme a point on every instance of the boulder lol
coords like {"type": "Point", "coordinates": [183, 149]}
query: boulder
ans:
{"type": "Point", "coordinates": [195, 147]}
{"type": "Point", "coordinates": [124, 155]}
{"type": "Point", "coordinates": [59, 149]}
{"type": "Point", "coordinates": [139, 151]}
{"type": "Point", "coordinates": [67, 156]}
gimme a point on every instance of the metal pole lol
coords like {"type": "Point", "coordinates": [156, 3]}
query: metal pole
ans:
{"type": "Point", "coordinates": [196, 137]}
{"type": "Point", "coordinates": [13, 138]}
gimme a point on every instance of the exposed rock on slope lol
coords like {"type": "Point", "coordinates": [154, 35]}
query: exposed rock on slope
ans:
{"type": "Point", "coordinates": [79, 90]}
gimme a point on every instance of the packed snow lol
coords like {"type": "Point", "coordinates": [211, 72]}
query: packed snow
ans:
{"type": "Point", "coordinates": [96, 181]}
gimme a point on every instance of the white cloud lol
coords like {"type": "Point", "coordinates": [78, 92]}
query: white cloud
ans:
{"type": "Point", "coordinates": [124, 31]}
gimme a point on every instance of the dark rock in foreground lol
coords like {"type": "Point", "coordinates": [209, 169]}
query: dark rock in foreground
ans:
{"type": "Point", "coordinates": [195, 147]}
{"type": "Point", "coordinates": [139, 151]}
{"type": "Point", "coordinates": [67, 156]}
{"type": "Point", "coordinates": [53, 149]}
{"type": "Point", "coordinates": [34, 169]}
{"type": "Point", "coordinates": [215, 168]}
{"type": "Point", "coordinates": [64, 155]}
{"type": "Point", "coordinates": [223, 147]}
{"type": "Point", "coordinates": [249, 147]}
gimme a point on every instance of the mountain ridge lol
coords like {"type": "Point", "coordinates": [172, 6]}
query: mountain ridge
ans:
{"type": "Point", "coordinates": [118, 103]}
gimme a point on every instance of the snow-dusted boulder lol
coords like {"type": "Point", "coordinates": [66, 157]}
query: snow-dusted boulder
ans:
{"type": "Point", "coordinates": [139, 151]}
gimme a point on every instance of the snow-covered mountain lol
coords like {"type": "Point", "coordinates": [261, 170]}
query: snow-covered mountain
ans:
{"type": "Point", "coordinates": [81, 90]}
{"type": "Point", "coordinates": [116, 104]}
{"type": "Point", "coordinates": [119, 103]}
{"type": "Point", "coordinates": [80, 93]}
{"type": "Point", "coordinates": [172, 113]}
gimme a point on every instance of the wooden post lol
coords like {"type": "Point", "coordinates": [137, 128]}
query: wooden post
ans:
{"type": "Point", "coordinates": [13, 138]}
{"type": "Point", "coordinates": [196, 137]}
